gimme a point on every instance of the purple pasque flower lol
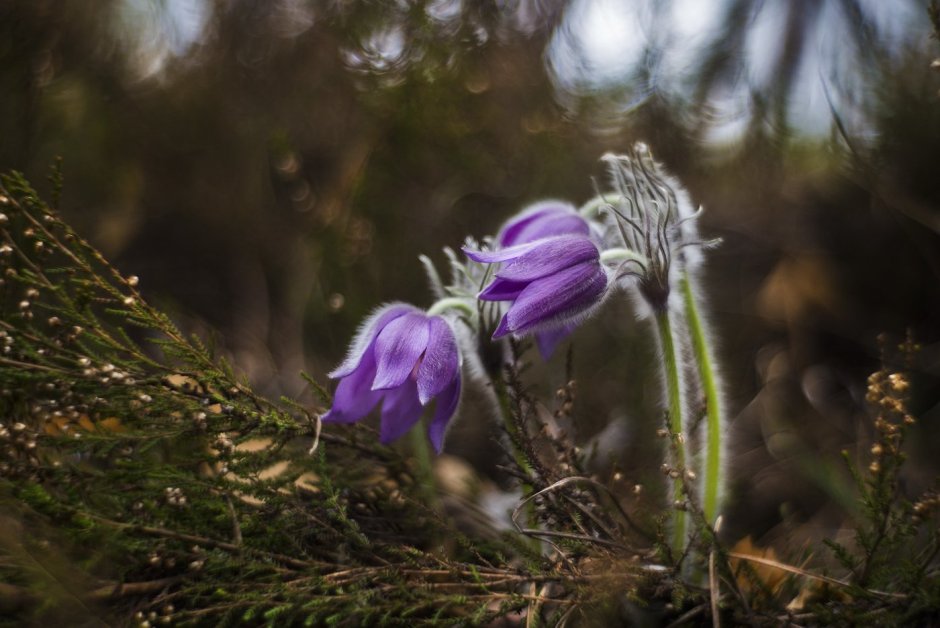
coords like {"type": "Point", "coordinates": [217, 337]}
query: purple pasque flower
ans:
{"type": "Point", "coordinates": [403, 358]}
{"type": "Point", "coordinates": [542, 220]}
{"type": "Point", "coordinates": [550, 283]}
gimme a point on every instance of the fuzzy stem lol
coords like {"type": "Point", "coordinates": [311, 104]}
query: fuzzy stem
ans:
{"type": "Point", "coordinates": [620, 255]}
{"type": "Point", "coordinates": [674, 398]}
{"type": "Point", "coordinates": [451, 303]}
{"type": "Point", "coordinates": [593, 206]}
{"type": "Point", "coordinates": [704, 358]}
{"type": "Point", "coordinates": [420, 447]}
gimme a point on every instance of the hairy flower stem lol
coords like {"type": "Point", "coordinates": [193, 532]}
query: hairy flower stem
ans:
{"type": "Point", "coordinates": [713, 482]}
{"type": "Point", "coordinates": [451, 303]}
{"type": "Point", "coordinates": [421, 449]}
{"type": "Point", "coordinates": [675, 405]}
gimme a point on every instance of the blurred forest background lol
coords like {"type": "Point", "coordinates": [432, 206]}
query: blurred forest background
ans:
{"type": "Point", "coordinates": [271, 169]}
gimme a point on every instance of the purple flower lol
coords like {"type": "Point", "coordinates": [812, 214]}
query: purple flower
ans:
{"type": "Point", "coordinates": [403, 358]}
{"type": "Point", "coordinates": [542, 220]}
{"type": "Point", "coordinates": [550, 283]}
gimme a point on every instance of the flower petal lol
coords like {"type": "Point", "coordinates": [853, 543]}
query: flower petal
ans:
{"type": "Point", "coordinates": [400, 411]}
{"type": "Point", "coordinates": [550, 256]}
{"type": "Point", "coordinates": [542, 220]}
{"type": "Point", "coordinates": [554, 298]}
{"type": "Point", "coordinates": [354, 397]}
{"type": "Point", "coordinates": [502, 255]}
{"type": "Point", "coordinates": [366, 334]}
{"type": "Point", "coordinates": [397, 349]}
{"type": "Point", "coordinates": [502, 290]}
{"type": "Point", "coordinates": [511, 231]}
{"type": "Point", "coordinates": [502, 329]}
{"type": "Point", "coordinates": [446, 406]}
{"type": "Point", "coordinates": [549, 339]}
{"type": "Point", "coordinates": [441, 362]}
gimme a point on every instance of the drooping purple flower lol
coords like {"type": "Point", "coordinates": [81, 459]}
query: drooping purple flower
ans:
{"type": "Point", "coordinates": [550, 283]}
{"type": "Point", "coordinates": [402, 358]}
{"type": "Point", "coordinates": [542, 220]}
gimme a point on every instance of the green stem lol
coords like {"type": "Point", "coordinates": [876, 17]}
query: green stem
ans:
{"type": "Point", "coordinates": [674, 397]}
{"type": "Point", "coordinates": [421, 448]}
{"type": "Point", "coordinates": [594, 205]}
{"type": "Point", "coordinates": [451, 303]}
{"type": "Point", "coordinates": [704, 357]}
{"type": "Point", "coordinates": [620, 255]}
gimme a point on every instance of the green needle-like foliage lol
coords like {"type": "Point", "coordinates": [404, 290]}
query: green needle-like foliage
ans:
{"type": "Point", "coordinates": [141, 480]}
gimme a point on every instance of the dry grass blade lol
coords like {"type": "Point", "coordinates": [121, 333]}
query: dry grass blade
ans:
{"type": "Point", "coordinates": [812, 576]}
{"type": "Point", "coordinates": [713, 592]}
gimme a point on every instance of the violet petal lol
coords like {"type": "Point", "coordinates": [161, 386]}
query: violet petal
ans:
{"type": "Point", "coordinates": [566, 293]}
{"type": "Point", "coordinates": [502, 329]}
{"type": "Point", "coordinates": [549, 339]}
{"type": "Point", "coordinates": [502, 255]}
{"type": "Point", "coordinates": [550, 220]}
{"type": "Point", "coordinates": [512, 231]}
{"type": "Point", "coordinates": [550, 256]}
{"type": "Point", "coordinates": [366, 334]}
{"type": "Point", "coordinates": [397, 349]}
{"type": "Point", "coordinates": [441, 363]}
{"type": "Point", "coordinates": [354, 397]}
{"type": "Point", "coordinates": [502, 290]}
{"type": "Point", "coordinates": [400, 411]}
{"type": "Point", "coordinates": [446, 406]}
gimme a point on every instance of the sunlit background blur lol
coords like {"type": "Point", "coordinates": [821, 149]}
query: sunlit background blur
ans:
{"type": "Point", "coordinates": [271, 169]}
